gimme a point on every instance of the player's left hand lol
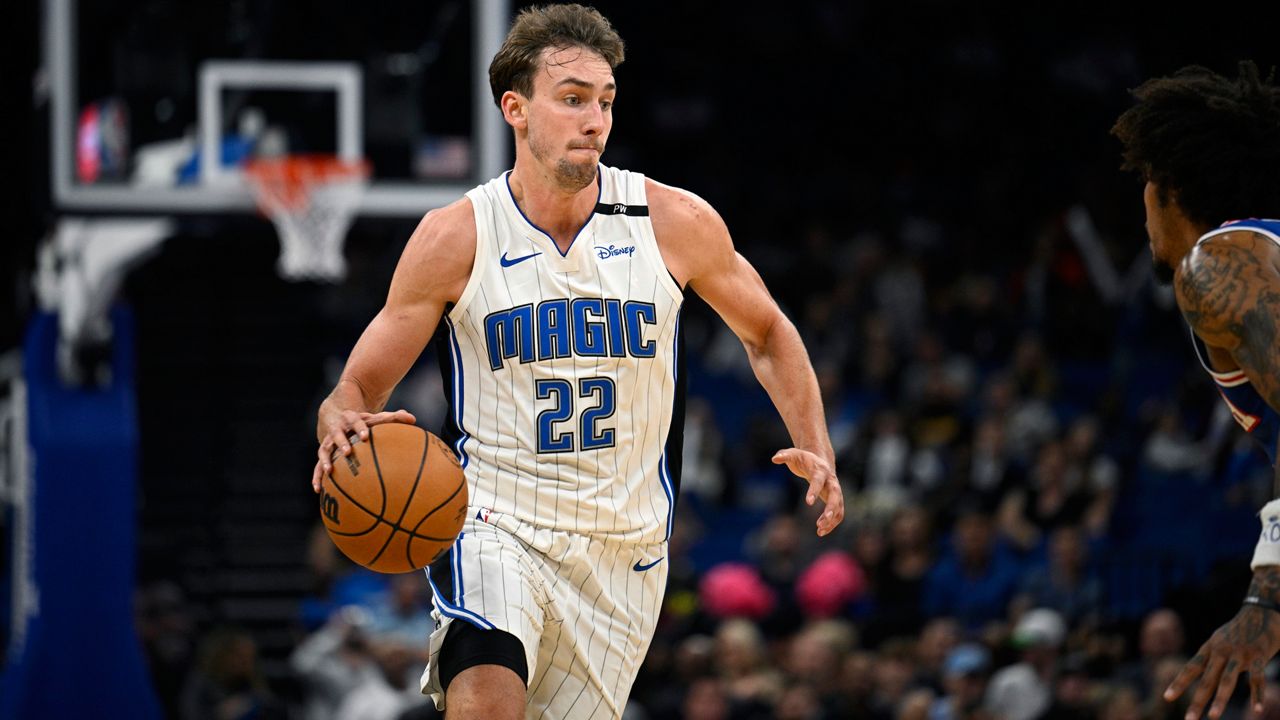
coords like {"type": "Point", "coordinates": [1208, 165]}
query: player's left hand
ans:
{"type": "Point", "coordinates": [823, 484]}
{"type": "Point", "coordinates": [1245, 644]}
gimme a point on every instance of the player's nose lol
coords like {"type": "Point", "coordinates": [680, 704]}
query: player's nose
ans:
{"type": "Point", "coordinates": [593, 120]}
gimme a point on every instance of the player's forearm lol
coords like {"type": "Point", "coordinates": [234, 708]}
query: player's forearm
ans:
{"type": "Point", "coordinates": [1266, 583]}
{"type": "Point", "coordinates": [782, 366]}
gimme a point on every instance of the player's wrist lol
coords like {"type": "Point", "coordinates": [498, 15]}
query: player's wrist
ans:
{"type": "Point", "coordinates": [1261, 602]}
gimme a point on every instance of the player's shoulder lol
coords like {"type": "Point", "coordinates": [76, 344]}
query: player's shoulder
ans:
{"type": "Point", "coordinates": [449, 224]}
{"type": "Point", "coordinates": [690, 233]}
{"type": "Point", "coordinates": [1225, 264]}
{"type": "Point", "coordinates": [442, 249]}
{"type": "Point", "coordinates": [671, 204]}
{"type": "Point", "coordinates": [684, 223]}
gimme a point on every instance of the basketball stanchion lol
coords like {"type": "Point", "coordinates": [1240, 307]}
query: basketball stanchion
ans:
{"type": "Point", "coordinates": [312, 200]}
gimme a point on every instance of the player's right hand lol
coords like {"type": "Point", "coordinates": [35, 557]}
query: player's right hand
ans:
{"type": "Point", "coordinates": [1244, 645]}
{"type": "Point", "coordinates": [344, 428]}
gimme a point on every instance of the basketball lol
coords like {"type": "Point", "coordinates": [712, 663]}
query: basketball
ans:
{"type": "Point", "coordinates": [397, 501]}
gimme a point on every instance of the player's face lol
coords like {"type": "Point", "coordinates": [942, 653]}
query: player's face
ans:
{"type": "Point", "coordinates": [570, 114]}
{"type": "Point", "coordinates": [1159, 219]}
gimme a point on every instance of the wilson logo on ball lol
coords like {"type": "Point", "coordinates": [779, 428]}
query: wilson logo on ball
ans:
{"type": "Point", "coordinates": [329, 507]}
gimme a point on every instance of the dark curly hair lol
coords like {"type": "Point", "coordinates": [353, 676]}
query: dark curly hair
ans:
{"type": "Point", "coordinates": [555, 26]}
{"type": "Point", "coordinates": [1210, 143]}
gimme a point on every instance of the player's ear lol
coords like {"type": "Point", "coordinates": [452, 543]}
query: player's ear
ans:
{"type": "Point", "coordinates": [514, 109]}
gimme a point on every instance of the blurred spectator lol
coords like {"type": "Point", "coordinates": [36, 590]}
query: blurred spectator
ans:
{"type": "Point", "coordinates": [916, 705]}
{"type": "Point", "coordinates": [857, 684]}
{"type": "Point", "coordinates": [1024, 691]}
{"type": "Point", "coordinates": [333, 661]}
{"type": "Point", "coordinates": [705, 700]}
{"type": "Point", "coordinates": [1072, 692]}
{"type": "Point", "coordinates": [389, 692]}
{"type": "Point", "coordinates": [888, 458]}
{"type": "Point", "coordinates": [166, 629]}
{"type": "Point", "coordinates": [1089, 468]}
{"type": "Point", "coordinates": [992, 472]}
{"type": "Point", "coordinates": [937, 640]}
{"type": "Point", "coordinates": [702, 469]}
{"type": "Point", "coordinates": [894, 671]}
{"type": "Point", "coordinates": [964, 682]}
{"type": "Point", "coordinates": [814, 658]}
{"type": "Point", "coordinates": [1064, 584]}
{"type": "Point", "coordinates": [1121, 703]}
{"type": "Point", "coordinates": [975, 582]}
{"type": "Point", "coordinates": [900, 582]}
{"type": "Point", "coordinates": [403, 613]}
{"type": "Point", "coordinates": [1161, 638]}
{"type": "Point", "coordinates": [1051, 501]}
{"type": "Point", "coordinates": [226, 684]}
{"type": "Point", "coordinates": [746, 675]}
{"type": "Point", "coordinates": [827, 586]}
{"type": "Point", "coordinates": [799, 701]}
{"type": "Point", "coordinates": [1170, 450]}
{"type": "Point", "coordinates": [735, 590]}
{"type": "Point", "coordinates": [1029, 421]}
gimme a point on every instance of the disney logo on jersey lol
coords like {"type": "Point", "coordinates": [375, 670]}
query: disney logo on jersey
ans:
{"type": "Point", "coordinates": [613, 252]}
{"type": "Point", "coordinates": [561, 328]}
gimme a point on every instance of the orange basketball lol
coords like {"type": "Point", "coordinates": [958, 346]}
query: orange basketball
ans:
{"type": "Point", "coordinates": [397, 501]}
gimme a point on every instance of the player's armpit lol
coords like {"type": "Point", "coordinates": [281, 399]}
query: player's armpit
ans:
{"type": "Point", "coordinates": [1229, 291]}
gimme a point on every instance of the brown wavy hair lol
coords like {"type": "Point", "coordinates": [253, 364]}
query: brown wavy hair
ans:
{"type": "Point", "coordinates": [549, 26]}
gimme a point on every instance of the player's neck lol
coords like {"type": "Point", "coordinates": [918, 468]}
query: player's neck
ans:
{"type": "Point", "coordinates": [559, 212]}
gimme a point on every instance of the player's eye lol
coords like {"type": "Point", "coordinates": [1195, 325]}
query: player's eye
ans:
{"type": "Point", "coordinates": [606, 105]}
{"type": "Point", "coordinates": [572, 99]}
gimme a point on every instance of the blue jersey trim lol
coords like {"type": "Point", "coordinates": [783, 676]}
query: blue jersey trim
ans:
{"type": "Point", "coordinates": [450, 610]}
{"type": "Point", "coordinates": [599, 191]}
{"type": "Point", "coordinates": [663, 472]}
{"type": "Point", "coordinates": [455, 356]}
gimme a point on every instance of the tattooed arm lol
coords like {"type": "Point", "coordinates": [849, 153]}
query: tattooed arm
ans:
{"type": "Point", "coordinates": [1229, 291]}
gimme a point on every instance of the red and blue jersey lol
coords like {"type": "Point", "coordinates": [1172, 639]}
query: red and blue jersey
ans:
{"type": "Point", "coordinates": [1247, 406]}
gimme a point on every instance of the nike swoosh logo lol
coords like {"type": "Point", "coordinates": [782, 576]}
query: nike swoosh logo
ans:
{"type": "Point", "coordinates": [641, 568]}
{"type": "Point", "coordinates": [513, 261]}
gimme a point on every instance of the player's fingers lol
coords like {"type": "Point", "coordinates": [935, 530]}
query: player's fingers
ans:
{"type": "Point", "coordinates": [1186, 676]}
{"type": "Point", "coordinates": [834, 514]}
{"type": "Point", "coordinates": [316, 475]}
{"type": "Point", "coordinates": [325, 453]}
{"type": "Point", "coordinates": [400, 416]}
{"type": "Point", "coordinates": [1226, 686]}
{"type": "Point", "coordinates": [1204, 690]}
{"type": "Point", "coordinates": [1256, 680]}
{"type": "Point", "coordinates": [789, 457]}
{"type": "Point", "coordinates": [340, 443]}
{"type": "Point", "coordinates": [817, 488]}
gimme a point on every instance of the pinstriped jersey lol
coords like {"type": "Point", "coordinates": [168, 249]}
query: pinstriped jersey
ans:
{"type": "Point", "coordinates": [563, 369]}
{"type": "Point", "coordinates": [1249, 409]}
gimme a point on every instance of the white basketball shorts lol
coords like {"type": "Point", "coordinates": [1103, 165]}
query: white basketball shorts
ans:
{"type": "Point", "coordinates": [584, 607]}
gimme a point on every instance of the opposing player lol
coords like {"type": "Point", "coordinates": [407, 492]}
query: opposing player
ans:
{"type": "Point", "coordinates": [1209, 148]}
{"type": "Point", "coordinates": [560, 286]}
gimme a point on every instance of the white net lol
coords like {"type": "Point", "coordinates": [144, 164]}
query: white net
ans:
{"type": "Point", "coordinates": [312, 202]}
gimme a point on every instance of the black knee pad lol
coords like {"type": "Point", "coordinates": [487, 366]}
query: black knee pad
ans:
{"type": "Point", "coordinates": [466, 645]}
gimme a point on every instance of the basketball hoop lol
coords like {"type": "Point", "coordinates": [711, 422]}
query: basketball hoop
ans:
{"type": "Point", "coordinates": [312, 200]}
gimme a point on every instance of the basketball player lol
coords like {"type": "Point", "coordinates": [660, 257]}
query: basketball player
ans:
{"type": "Point", "coordinates": [560, 285]}
{"type": "Point", "coordinates": [1209, 149]}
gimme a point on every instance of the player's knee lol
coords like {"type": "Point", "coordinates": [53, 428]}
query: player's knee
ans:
{"type": "Point", "coordinates": [485, 692]}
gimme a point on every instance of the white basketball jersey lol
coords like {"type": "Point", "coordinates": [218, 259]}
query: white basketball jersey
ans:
{"type": "Point", "coordinates": [562, 370]}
